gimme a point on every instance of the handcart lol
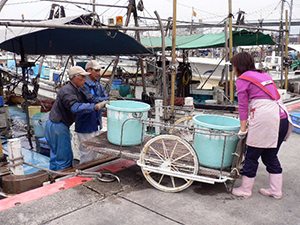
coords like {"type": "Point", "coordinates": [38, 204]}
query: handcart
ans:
{"type": "Point", "coordinates": [169, 160]}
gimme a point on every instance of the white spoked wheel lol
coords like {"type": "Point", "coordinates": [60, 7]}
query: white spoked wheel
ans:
{"type": "Point", "coordinates": [184, 128]}
{"type": "Point", "coordinates": [165, 160]}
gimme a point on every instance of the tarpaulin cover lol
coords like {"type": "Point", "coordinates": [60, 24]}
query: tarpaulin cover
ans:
{"type": "Point", "coordinates": [72, 41]}
{"type": "Point", "coordinates": [240, 38]}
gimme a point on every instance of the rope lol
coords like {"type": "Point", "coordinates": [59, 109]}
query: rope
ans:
{"type": "Point", "coordinates": [185, 81]}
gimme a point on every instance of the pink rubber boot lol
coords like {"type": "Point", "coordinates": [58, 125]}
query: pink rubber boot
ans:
{"type": "Point", "coordinates": [275, 189]}
{"type": "Point", "coordinates": [245, 190]}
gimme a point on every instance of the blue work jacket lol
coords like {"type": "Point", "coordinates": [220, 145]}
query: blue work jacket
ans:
{"type": "Point", "coordinates": [94, 93]}
{"type": "Point", "coordinates": [69, 103]}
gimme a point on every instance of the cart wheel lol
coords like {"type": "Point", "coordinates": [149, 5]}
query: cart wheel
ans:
{"type": "Point", "coordinates": [183, 132]}
{"type": "Point", "coordinates": [168, 153]}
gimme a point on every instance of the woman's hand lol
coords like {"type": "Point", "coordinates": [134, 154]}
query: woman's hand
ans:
{"type": "Point", "coordinates": [243, 125]}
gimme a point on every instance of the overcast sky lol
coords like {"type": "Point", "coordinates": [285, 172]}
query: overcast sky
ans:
{"type": "Point", "coordinates": [206, 10]}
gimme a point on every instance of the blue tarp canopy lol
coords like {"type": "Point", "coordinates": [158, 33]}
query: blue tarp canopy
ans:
{"type": "Point", "coordinates": [60, 41]}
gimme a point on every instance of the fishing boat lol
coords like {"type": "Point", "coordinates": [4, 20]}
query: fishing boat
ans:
{"type": "Point", "coordinates": [30, 84]}
{"type": "Point", "coordinates": [99, 39]}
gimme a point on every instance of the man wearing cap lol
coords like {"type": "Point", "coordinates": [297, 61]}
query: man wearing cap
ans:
{"type": "Point", "coordinates": [86, 125]}
{"type": "Point", "coordinates": [69, 103]}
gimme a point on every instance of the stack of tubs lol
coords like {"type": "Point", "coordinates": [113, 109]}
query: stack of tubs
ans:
{"type": "Point", "coordinates": [118, 113]}
{"type": "Point", "coordinates": [209, 147]}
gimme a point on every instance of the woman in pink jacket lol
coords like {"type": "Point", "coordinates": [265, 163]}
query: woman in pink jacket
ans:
{"type": "Point", "coordinates": [268, 125]}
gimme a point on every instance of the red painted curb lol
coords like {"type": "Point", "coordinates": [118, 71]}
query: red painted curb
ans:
{"type": "Point", "coordinates": [40, 192]}
{"type": "Point", "coordinates": [292, 107]}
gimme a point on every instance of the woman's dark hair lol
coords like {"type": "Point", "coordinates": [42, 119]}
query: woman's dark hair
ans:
{"type": "Point", "coordinates": [243, 62]}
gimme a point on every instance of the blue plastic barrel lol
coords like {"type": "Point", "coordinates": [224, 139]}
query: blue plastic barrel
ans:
{"type": "Point", "coordinates": [117, 113]}
{"type": "Point", "coordinates": [38, 121]}
{"type": "Point", "coordinates": [1, 101]}
{"type": "Point", "coordinates": [209, 147]}
{"type": "Point", "coordinates": [117, 82]}
{"type": "Point", "coordinates": [56, 77]}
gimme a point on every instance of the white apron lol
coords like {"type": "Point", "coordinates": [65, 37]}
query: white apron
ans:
{"type": "Point", "coordinates": [264, 120]}
{"type": "Point", "coordinates": [264, 123]}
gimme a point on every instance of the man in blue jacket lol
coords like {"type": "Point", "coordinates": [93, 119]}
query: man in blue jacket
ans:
{"type": "Point", "coordinates": [87, 124]}
{"type": "Point", "coordinates": [69, 103]}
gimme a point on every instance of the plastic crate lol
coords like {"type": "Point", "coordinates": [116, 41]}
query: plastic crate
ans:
{"type": "Point", "coordinates": [296, 120]}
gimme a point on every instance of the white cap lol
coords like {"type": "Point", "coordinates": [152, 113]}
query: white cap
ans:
{"type": "Point", "coordinates": [92, 64]}
{"type": "Point", "coordinates": [77, 70]}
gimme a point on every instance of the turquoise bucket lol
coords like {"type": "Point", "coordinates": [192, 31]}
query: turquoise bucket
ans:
{"type": "Point", "coordinates": [117, 113]}
{"type": "Point", "coordinates": [209, 147]}
{"type": "Point", "coordinates": [124, 90]}
{"type": "Point", "coordinates": [38, 121]}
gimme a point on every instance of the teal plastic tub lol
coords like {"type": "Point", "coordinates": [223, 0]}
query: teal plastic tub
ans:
{"type": "Point", "coordinates": [209, 147]}
{"type": "Point", "coordinates": [124, 90]}
{"type": "Point", "coordinates": [117, 113]}
{"type": "Point", "coordinates": [38, 121]}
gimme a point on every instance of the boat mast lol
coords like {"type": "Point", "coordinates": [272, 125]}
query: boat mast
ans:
{"type": "Point", "coordinates": [137, 33]}
{"type": "Point", "coordinates": [192, 21]}
{"type": "Point", "coordinates": [173, 54]}
{"type": "Point", "coordinates": [281, 43]}
{"type": "Point", "coordinates": [230, 49]}
{"type": "Point", "coordinates": [163, 56]}
{"type": "Point", "coordinates": [2, 3]}
{"type": "Point", "coordinates": [286, 65]}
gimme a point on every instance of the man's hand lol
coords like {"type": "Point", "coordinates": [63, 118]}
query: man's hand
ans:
{"type": "Point", "coordinates": [242, 134]}
{"type": "Point", "coordinates": [101, 105]}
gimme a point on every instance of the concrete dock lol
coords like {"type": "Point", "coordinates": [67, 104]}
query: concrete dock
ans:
{"type": "Point", "coordinates": [135, 201]}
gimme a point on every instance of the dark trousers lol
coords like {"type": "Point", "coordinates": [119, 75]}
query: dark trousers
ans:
{"type": "Point", "coordinates": [268, 155]}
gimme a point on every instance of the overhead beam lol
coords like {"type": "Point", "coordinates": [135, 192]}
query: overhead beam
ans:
{"type": "Point", "coordinates": [79, 27]}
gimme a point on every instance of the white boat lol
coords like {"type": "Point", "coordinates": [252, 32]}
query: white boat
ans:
{"type": "Point", "coordinates": [203, 67]}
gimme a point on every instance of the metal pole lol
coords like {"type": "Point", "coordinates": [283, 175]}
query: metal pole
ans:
{"type": "Point", "coordinates": [291, 12]}
{"type": "Point", "coordinates": [173, 54]}
{"type": "Point", "coordinates": [286, 48]}
{"type": "Point", "coordinates": [227, 60]}
{"type": "Point", "coordinates": [192, 22]}
{"type": "Point", "coordinates": [163, 55]}
{"type": "Point", "coordinates": [281, 44]}
{"type": "Point", "coordinates": [137, 33]}
{"type": "Point", "coordinates": [94, 14]}
{"type": "Point", "coordinates": [79, 27]}
{"type": "Point", "coordinates": [230, 49]}
{"type": "Point", "coordinates": [2, 3]}
{"type": "Point", "coordinates": [141, 28]}
{"type": "Point", "coordinates": [25, 93]}
{"type": "Point", "coordinates": [94, 6]}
